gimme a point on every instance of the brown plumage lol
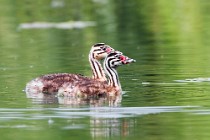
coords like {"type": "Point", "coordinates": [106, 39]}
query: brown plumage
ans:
{"type": "Point", "coordinates": [87, 87]}
{"type": "Point", "coordinates": [64, 84]}
{"type": "Point", "coordinates": [50, 83]}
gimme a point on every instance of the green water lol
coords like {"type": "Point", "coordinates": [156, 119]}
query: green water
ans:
{"type": "Point", "coordinates": [169, 40]}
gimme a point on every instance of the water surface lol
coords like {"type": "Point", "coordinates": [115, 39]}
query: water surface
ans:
{"type": "Point", "coordinates": [166, 92]}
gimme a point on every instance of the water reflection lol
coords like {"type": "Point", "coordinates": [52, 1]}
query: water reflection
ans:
{"type": "Point", "coordinates": [57, 3]}
{"type": "Point", "coordinates": [111, 127]}
{"type": "Point", "coordinates": [104, 121]}
{"type": "Point", "coordinates": [194, 80]}
{"type": "Point", "coordinates": [60, 25]}
{"type": "Point", "coordinates": [112, 101]}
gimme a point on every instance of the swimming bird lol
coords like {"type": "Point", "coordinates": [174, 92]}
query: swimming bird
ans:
{"type": "Point", "coordinates": [86, 87]}
{"type": "Point", "coordinates": [65, 84]}
{"type": "Point", "coordinates": [97, 52]}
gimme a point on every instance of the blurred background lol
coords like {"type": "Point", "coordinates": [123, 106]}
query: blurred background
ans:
{"type": "Point", "coordinates": [45, 36]}
{"type": "Point", "coordinates": [170, 39]}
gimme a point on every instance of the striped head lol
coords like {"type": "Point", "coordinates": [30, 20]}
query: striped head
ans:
{"type": "Point", "coordinates": [100, 50]}
{"type": "Point", "coordinates": [111, 62]}
{"type": "Point", "coordinates": [116, 59]}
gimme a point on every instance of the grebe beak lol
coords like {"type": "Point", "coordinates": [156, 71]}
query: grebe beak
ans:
{"type": "Point", "coordinates": [130, 60]}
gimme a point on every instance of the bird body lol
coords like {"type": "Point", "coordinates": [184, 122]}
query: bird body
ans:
{"type": "Point", "coordinates": [76, 85]}
{"type": "Point", "coordinates": [91, 87]}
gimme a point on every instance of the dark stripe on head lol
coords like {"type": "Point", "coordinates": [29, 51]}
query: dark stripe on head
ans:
{"type": "Point", "coordinates": [112, 54]}
{"type": "Point", "coordinates": [97, 50]}
{"type": "Point", "coordinates": [98, 44]}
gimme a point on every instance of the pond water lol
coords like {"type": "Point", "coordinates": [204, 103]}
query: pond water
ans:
{"type": "Point", "coordinates": [166, 93]}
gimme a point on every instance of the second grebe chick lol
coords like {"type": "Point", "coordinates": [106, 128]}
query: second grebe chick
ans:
{"type": "Point", "coordinates": [89, 87]}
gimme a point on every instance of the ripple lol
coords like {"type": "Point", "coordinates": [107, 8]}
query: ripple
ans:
{"type": "Point", "coordinates": [93, 112]}
{"type": "Point", "coordinates": [75, 126]}
{"type": "Point", "coordinates": [194, 80]}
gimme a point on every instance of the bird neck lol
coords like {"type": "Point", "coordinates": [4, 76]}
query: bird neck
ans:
{"type": "Point", "coordinates": [97, 70]}
{"type": "Point", "coordinates": [112, 74]}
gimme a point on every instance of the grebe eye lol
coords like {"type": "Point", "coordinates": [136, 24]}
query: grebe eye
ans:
{"type": "Point", "coordinates": [107, 49]}
{"type": "Point", "coordinates": [103, 48]}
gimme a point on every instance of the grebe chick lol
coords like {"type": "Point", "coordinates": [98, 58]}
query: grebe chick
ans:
{"type": "Point", "coordinates": [49, 83]}
{"type": "Point", "coordinates": [88, 87]}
